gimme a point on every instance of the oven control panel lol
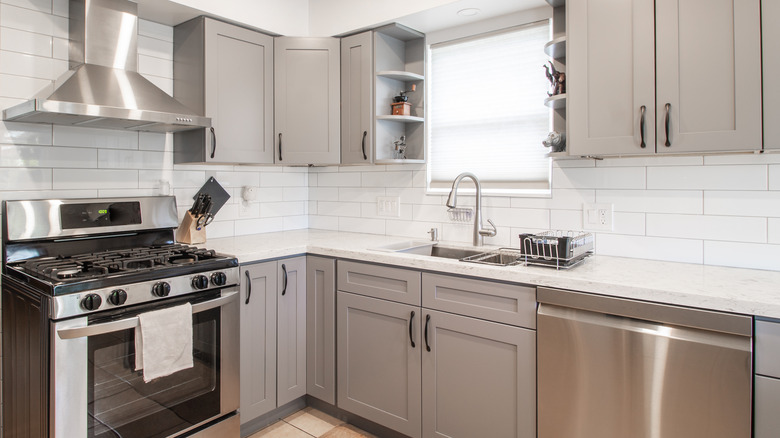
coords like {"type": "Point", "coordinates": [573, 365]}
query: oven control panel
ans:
{"type": "Point", "coordinates": [109, 298]}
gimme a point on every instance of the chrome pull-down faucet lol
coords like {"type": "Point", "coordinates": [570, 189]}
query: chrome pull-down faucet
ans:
{"type": "Point", "coordinates": [452, 201]}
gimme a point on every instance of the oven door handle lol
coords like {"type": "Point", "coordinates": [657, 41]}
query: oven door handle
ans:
{"type": "Point", "coordinates": [129, 323]}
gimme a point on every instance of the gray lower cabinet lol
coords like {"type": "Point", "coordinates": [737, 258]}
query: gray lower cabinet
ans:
{"type": "Point", "coordinates": [258, 339]}
{"type": "Point", "coordinates": [766, 394]}
{"type": "Point", "coordinates": [321, 328]}
{"type": "Point", "coordinates": [478, 378]}
{"type": "Point", "coordinates": [306, 100]}
{"type": "Point", "coordinates": [379, 361]}
{"type": "Point", "coordinates": [224, 72]}
{"type": "Point", "coordinates": [273, 335]}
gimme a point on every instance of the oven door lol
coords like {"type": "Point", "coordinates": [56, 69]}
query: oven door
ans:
{"type": "Point", "coordinates": [96, 392]}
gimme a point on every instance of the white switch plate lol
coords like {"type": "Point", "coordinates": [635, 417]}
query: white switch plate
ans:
{"type": "Point", "coordinates": [597, 217]}
{"type": "Point", "coordinates": [389, 206]}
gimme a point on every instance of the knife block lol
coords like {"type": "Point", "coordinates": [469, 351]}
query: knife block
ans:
{"type": "Point", "coordinates": [188, 231]}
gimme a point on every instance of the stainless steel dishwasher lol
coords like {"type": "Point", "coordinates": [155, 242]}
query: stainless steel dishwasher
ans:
{"type": "Point", "coordinates": [616, 368]}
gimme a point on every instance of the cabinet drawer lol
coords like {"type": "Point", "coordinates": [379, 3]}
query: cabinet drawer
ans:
{"type": "Point", "coordinates": [499, 302]}
{"type": "Point", "coordinates": [395, 284]}
{"type": "Point", "coordinates": [767, 399]}
{"type": "Point", "coordinates": [768, 348]}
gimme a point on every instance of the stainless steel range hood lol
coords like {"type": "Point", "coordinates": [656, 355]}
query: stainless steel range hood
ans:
{"type": "Point", "coordinates": [103, 89]}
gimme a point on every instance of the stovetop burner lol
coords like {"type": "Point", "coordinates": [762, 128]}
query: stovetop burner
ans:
{"type": "Point", "coordinates": [104, 263]}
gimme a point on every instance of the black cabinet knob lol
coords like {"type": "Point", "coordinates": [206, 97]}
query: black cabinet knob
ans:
{"type": "Point", "coordinates": [117, 297]}
{"type": "Point", "coordinates": [218, 279]}
{"type": "Point", "coordinates": [200, 282]}
{"type": "Point", "coordinates": [161, 289]}
{"type": "Point", "coordinates": [91, 302]}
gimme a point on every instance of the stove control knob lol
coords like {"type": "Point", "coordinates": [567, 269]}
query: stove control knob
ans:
{"type": "Point", "coordinates": [117, 297]}
{"type": "Point", "coordinates": [91, 302]}
{"type": "Point", "coordinates": [200, 282]}
{"type": "Point", "coordinates": [161, 289]}
{"type": "Point", "coordinates": [219, 278]}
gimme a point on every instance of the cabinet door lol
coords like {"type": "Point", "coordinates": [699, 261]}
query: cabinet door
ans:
{"type": "Point", "coordinates": [379, 361]}
{"type": "Point", "coordinates": [291, 326]}
{"type": "Point", "coordinates": [258, 340]}
{"type": "Point", "coordinates": [357, 73]}
{"type": "Point", "coordinates": [239, 94]}
{"type": "Point", "coordinates": [321, 328]}
{"type": "Point", "coordinates": [767, 399]}
{"type": "Point", "coordinates": [479, 378]}
{"type": "Point", "coordinates": [708, 75]}
{"type": "Point", "coordinates": [610, 77]}
{"type": "Point", "coordinates": [770, 33]}
{"type": "Point", "coordinates": [307, 100]}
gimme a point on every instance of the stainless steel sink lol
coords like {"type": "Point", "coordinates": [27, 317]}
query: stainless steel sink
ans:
{"type": "Point", "coordinates": [452, 253]}
{"type": "Point", "coordinates": [501, 257]}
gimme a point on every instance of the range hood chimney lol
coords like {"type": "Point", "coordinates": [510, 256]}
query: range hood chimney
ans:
{"type": "Point", "coordinates": [103, 89]}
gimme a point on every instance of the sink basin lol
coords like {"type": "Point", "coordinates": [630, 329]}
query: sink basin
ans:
{"type": "Point", "coordinates": [451, 253]}
{"type": "Point", "coordinates": [501, 257]}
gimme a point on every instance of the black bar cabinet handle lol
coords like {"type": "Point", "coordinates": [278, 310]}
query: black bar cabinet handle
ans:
{"type": "Point", "coordinates": [248, 287]}
{"type": "Point", "coordinates": [642, 126]}
{"type": "Point", "coordinates": [411, 320]}
{"type": "Point", "coordinates": [666, 124]}
{"type": "Point", "coordinates": [284, 279]}
{"type": "Point", "coordinates": [213, 142]}
{"type": "Point", "coordinates": [280, 146]}
{"type": "Point", "coordinates": [363, 147]}
{"type": "Point", "coordinates": [427, 320]}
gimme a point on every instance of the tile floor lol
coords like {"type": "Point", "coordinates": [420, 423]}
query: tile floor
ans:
{"type": "Point", "coordinates": [308, 423]}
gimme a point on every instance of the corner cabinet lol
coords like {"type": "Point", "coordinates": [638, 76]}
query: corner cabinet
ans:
{"type": "Point", "coordinates": [377, 66]}
{"type": "Point", "coordinates": [224, 72]}
{"type": "Point", "coordinates": [273, 335]}
{"type": "Point", "coordinates": [321, 328]}
{"type": "Point", "coordinates": [307, 96]}
{"type": "Point", "coordinates": [666, 77]}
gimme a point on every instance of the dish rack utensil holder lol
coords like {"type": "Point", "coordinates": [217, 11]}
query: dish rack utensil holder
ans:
{"type": "Point", "coordinates": [556, 248]}
{"type": "Point", "coordinates": [460, 214]}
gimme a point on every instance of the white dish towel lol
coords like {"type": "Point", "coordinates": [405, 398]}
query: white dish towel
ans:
{"type": "Point", "coordinates": [163, 341]}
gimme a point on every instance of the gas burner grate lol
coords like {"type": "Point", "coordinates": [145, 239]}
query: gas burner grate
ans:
{"type": "Point", "coordinates": [98, 264]}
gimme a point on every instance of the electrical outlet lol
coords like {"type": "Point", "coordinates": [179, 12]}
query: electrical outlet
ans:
{"type": "Point", "coordinates": [597, 217]}
{"type": "Point", "coordinates": [388, 206]}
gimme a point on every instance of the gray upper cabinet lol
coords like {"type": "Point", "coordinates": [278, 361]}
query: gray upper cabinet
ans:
{"type": "Point", "coordinates": [357, 99]}
{"type": "Point", "coordinates": [321, 328]}
{"type": "Point", "coordinates": [379, 361]}
{"type": "Point", "coordinates": [671, 76]}
{"type": "Point", "coordinates": [291, 329]}
{"type": "Point", "coordinates": [306, 100]}
{"type": "Point", "coordinates": [224, 72]}
{"type": "Point", "coordinates": [258, 340]}
{"type": "Point", "coordinates": [477, 376]}
{"type": "Point", "coordinates": [770, 16]}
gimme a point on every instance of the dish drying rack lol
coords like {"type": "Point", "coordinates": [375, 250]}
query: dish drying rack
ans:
{"type": "Point", "coordinates": [560, 249]}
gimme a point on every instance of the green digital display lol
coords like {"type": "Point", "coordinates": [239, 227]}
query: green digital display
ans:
{"type": "Point", "coordinates": [102, 211]}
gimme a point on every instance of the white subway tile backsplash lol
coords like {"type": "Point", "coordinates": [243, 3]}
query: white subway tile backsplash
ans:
{"type": "Point", "coordinates": [277, 209]}
{"type": "Point", "coordinates": [130, 159]}
{"type": "Point", "coordinates": [561, 199]}
{"type": "Point", "coordinates": [765, 158]}
{"type": "Point", "coordinates": [726, 228]}
{"type": "Point", "coordinates": [33, 21]}
{"type": "Point", "coordinates": [36, 5]}
{"type": "Point", "coordinates": [362, 225]}
{"type": "Point", "coordinates": [17, 194]}
{"type": "Point", "coordinates": [323, 193]}
{"type": "Point", "coordinates": [31, 66]}
{"type": "Point", "coordinates": [742, 255]}
{"type": "Point", "coordinates": [774, 177]}
{"type": "Point", "coordinates": [47, 156]}
{"type": "Point", "coordinates": [565, 220]}
{"type": "Point", "coordinates": [25, 133]}
{"type": "Point", "coordinates": [150, 65]}
{"type": "Point", "coordinates": [268, 194]}
{"type": "Point", "coordinates": [628, 223]}
{"type": "Point", "coordinates": [417, 230]}
{"type": "Point", "coordinates": [20, 87]}
{"type": "Point", "coordinates": [738, 177]}
{"type": "Point", "coordinates": [60, 48]}
{"type": "Point", "coordinates": [346, 209]}
{"type": "Point", "coordinates": [657, 248]}
{"type": "Point", "coordinates": [238, 179]}
{"type": "Point", "coordinates": [253, 226]}
{"type": "Point", "coordinates": [397, 179]}
{"type": "Point", "coordinates": [94, 138]}
{"type": "Point", "coordinates": [653, 201]}
{"type": "Point", "coordinates": [599, 178]}
{"type": "Point", "coordinates": [742, 203]}
{"type": "Point", "coordinates": [774, 230]}
{"type": "Point", "coordinates": [59, 7]}
{"type": "Point", "coordinates": [650, 161]}
{"type": "Point", "coordinates": [296, 193]}
{"type": "Point", "coordinates": [127, 193]}
{"type": "Point", "coordinates": [430, 213]}
{"type": "Point", "coordinates": [153, 141]}
{"type": "Point", "coordinates": [283, 179]}
{"type": "Point", "coordinates": [218, 229]}
{"type": "Point", "coordinates": [153, 47]}
{"type": "Point", "coordinates": [415, 195]}
{"type": "Point", "coordinates": [65, 179]}
{"type": "Point", "coordinates": [338, 179]}
{"type": "Point", "coordinates": [14, 40]}
{"type": "Point", "coordinates": [155, 30]}
{"type": "Point", "coordinates": [295, 222]}
{"type": "Point", "coordinates": [22, 178]}
{"type": "Point", "coordinates": [518, 217]}
{"type": "Point", "coordinates": [374, 179]}
{"type": "Point", "coordinates": [323, 222]}
{"type": "Point", "coordinates": [360, 195]}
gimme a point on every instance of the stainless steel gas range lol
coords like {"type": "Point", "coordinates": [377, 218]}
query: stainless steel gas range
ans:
{"type": "Point", "coordinates": [76, 276]}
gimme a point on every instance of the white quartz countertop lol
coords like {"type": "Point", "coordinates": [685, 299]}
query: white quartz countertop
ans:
{"type": "Point", "coordinates": [745, 291]}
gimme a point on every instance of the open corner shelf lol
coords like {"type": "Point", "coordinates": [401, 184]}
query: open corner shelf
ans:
{"type": "Point", "coordinates": [405, 76]}
{"type": "Point", "coordinates": [404, 119]}
{"type": "Point", "coordinates": [556, 48]}
{"type": "Point", "coordinates": [556, 102]}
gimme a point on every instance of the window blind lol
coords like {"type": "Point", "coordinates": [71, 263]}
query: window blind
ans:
{"type": "Point", "coordinates": [486, 110]}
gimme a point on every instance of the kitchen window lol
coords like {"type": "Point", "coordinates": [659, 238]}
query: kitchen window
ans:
{"type": "Point", "coordinates": [486, 111]}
